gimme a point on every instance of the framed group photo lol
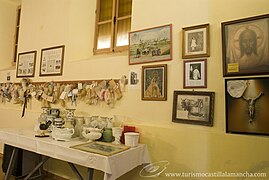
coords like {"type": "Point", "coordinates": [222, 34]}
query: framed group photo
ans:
{"type": "Point", "coordinates": [195, 75]}
{"type": "Point", "coordinates": [193, 107]}
{"type": "Point", "coordinates": [247, 105]}
{"type": "Point", "coordinates": [245, 46]}
{"type": "Point", "coordinates": [154, 82]}
{"type": "Point", "coordinates": [150, 45]}
{"type": "Point", "coordinates": [196, 42]}
{"type": "Point", "coordinates": [52, 59]}
{"type": "Point", "coordinates": [26, 64]}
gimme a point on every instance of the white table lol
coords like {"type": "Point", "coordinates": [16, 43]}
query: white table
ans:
{"type": "Point", "coordinates": [113, 166]}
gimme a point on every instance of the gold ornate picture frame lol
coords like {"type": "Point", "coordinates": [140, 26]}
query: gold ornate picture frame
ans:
{"type": "Point", "coordinates": [154, 82]}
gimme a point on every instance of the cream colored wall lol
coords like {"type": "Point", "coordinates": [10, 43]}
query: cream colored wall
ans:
{"type": "Point", "coordinates": [7, 31]}
{"type": "Point", "coordinates": [188, 148]}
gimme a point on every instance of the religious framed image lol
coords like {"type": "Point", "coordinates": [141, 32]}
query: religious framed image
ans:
{"type": "Point", "coordinates": [26, 64]}
{"type": "Point", "coordinates": [247, 105]}
{"type": "Point", "coordinates": [102, 148]}
{"type": "Point", "coordinates": [150, 45]}
{"type": "Point", "coordinates": [195, 74]}
{"type": "Point", "coordinates": [51, 63]}
{"type": "Point", "coordinates": [154, 82]}
{"type": "Point", "coordinates": [193, 107]}
{"type": "Point", "coordinates": [196, 41]}
{"type": "Point", "coordinates": [245, 46]}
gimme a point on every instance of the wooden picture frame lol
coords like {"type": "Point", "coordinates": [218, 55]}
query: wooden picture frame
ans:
{"type": "Point", "coordinates": [154, 82]}
{"type": "Point", "coordinates": [102, 148]}
{"type": "Point", "coordinates": [245, 46]}
{"type": "Point", "coordinates": [193, 107]}
{"type": "Point", "coordinates": [26, 64]}
{"type": "Point", "coordinates": [247, 105]}
{"type": "Point", "coordinates": [195, 74]}
{"type": "Point", "coordinates": [196, 42]}
{"type": "Point", "coordinates": [150, 45]}
{"type": "Point", "coordinates": [51, 63]}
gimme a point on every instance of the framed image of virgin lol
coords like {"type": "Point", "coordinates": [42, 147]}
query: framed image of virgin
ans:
{"type": "Point", "coordinates": [196, 42]}
{"type": "Point", "coordinates": [193, 107]}
{"type": "Point", "coordinates": [247, 105]}
{"type": "Point", "coordinates": [52, 59]}
{"type": "Point", "coordinates": [154, 82]}
{"type": "Point", "coordinates": [150, 45]}
{"type": "Point", "coordinates": [245, 46]}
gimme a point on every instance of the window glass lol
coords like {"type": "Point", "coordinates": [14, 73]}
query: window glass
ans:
{"type": "Point", "coordinates": [106, 10]}
{"type": "Point", "coordinates": [125, 8]}
{"type": "Point", "coordinates": [104, 36]}
{"type": "Point", "coordinates": [123, 28]}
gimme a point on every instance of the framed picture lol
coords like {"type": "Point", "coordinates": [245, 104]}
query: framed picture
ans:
{"type": "Point", "coordinates": [195, 74]}
{"type": "Point", "coordinates": [102, 148]}
{"type": "Point", "coordinates": [154, 82]}
{"type": "Point", "coordinates": [196, 41]}
{"type": "Point", "coordinates": [245, 46]}
{"type": "Point", "coordinates": [247, 105]}
{"type": "Point", "coordinates": [193, 107]}
{"type": "Point", "coordinates": [26, 64]}
{"type": "Point", "coordinates": [51, 63]}
{"type": "Point", "coordinates": [150, 45]}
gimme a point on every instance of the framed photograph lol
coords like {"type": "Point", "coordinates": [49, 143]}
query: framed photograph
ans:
{"type": "Point", "coordinates": [193, 107]}
{"type": "Point", "coordinates": [247, 105]}
{"type": "Point", "coordinates": [52, 59]}
{"type": "Point", "coordinates": [245, 46]}
{"type": "Point", "coordinates": [26, 64]}
{"type": "Point", "coordinates": [150, 45]}
{"type": "Point", "coordinates": [195, 74]}
{"type": "Point", "coordinates": [102, 148]}
{"type": "Point", "coordinates": [154, 82]}
{"type": "Point", "coordinates": [196, 41]}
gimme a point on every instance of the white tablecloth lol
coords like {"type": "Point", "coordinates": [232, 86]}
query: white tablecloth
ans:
{"type": "Point", "coordinates": [113, 166]}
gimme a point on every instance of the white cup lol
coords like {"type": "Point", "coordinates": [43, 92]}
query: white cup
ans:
{"type": "Point", "coordinates": [131, 139]}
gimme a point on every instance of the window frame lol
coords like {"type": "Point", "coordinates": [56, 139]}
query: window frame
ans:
{"type": "Point", "coordinates": [114, 26]}
{"type": "Point", "coordinates": [16, 35]}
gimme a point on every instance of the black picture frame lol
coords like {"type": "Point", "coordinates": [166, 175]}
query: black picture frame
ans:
{"type": "Point", "coordinates": [245, 44]}
{"type": "Point", "coordinates": [246, 103]}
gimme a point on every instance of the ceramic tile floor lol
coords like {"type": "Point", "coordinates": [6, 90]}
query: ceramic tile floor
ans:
{"type": "Point", "coordinates": [2, 175]}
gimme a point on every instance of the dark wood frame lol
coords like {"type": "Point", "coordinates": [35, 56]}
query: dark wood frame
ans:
{"type": "Point", "coordinates": [185, 110]}
{"type": "Point", "coordinates": [146, 80]}
{"type": "Point", "coordinates": [201, 82]}
{"type": "Point", "coordinates": [232, 33]}
{"type": "Point", "coordinates": [33, 60]}
{"type": "Point", "coordinates": [238, 117]}
{"type": "Point", "coordinates": [62, 48]}
{"type": "Point", "coordinates": [152, 52]}
{"type": "Point", "coordinates": [205, 52]}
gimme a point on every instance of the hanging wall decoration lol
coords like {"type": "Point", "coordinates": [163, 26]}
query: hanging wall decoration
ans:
{"type": "Point", "coordinates": [52, 59]}
{"type": "Point", "coordinates": [26, 64]}
{"type": "Point", "coordinates": [150, 45]}
{"type": "Point", "coordinates": [193, 107]}
{"type": "Point", "coordinates": [154, 82]}
{"type": "Point", "coordinates": [247, 105]}
{"type": "Point", "coordinates": [245, 46]}
{"type": "Point", "coordinates": [63, 93]}
{"type": "Point", "coordinates": [195, 75]}
{"type": "Point", "coordinates": [196, 41]}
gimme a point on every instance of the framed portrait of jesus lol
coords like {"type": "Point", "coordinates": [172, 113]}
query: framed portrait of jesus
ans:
{"type": "Point", "coordinates": [245, 46]}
